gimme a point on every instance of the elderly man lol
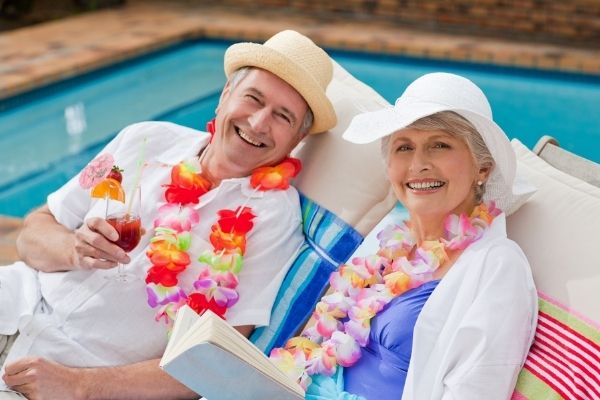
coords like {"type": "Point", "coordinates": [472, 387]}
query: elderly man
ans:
{"type": "Point", "coordinates": [83, 335]}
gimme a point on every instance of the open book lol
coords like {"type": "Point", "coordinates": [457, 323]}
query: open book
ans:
{"type": "Point", "coordinates": [214, 360]}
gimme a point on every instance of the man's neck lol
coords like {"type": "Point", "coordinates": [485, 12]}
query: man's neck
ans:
{"type": "Point", "coordinates": [213, 170]}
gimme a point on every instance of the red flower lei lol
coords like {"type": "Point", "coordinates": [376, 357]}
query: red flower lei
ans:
{"type": "Point", "coordinates": [215, 287]}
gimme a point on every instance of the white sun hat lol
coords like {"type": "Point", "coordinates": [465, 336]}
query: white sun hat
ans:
{"type": "Point", "coordinates": [299, 62]}
{"type": "Point", "coordinates": [436, 92]}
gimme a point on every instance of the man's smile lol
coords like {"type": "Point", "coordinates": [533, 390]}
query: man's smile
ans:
{"type": "Point", "coordinates": [246, 138]}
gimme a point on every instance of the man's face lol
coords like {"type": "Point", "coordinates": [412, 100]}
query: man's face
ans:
{"type": "Point", "coordinates": [258, 123]}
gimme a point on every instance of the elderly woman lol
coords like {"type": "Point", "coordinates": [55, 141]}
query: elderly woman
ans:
{"type": "Point", "coordinates": [446, 308]}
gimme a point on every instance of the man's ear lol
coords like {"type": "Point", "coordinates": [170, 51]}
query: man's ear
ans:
{"type": "Point", "coordinates": [224, 95]}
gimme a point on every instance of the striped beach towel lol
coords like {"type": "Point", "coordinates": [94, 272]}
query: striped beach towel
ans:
{"type": "Point", "coordinates": [564, 360]}
{"type": "Point", "coordinates": [329, 243]}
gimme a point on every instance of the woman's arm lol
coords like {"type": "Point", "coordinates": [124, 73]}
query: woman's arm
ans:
{"type": "Point", "coordinates": [491, 343]}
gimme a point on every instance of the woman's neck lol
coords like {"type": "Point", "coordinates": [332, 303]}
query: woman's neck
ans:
{"type": "Point", "coordinates": [424, 228]}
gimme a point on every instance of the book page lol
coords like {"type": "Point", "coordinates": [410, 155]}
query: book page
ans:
{"type": "Point", "coordinates": [210, 337]}
{"type": "Point", "coordinates": [186, 317]}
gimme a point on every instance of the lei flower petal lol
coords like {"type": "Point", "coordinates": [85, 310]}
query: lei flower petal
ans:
{"type": "Point", "coordinates": [461, 231]}
{"type": "Point", "coordinates": [161, 295]}
{"type": "Point", "coordinates": [395, 241]}
{"type": "Point", "coordinates": [347, 349]}
{"type": "Point", "coordinates": [397, 282]}
{"type": "Point", "coordinates": [161, 276]}
{"type": "Point", "coordinates": [486, 212]}
{"type": "Point", "coordinates": [226, 262]}
{"type": "Point", "coordinates": [176, 217]}
{"type": "Point", "coordinates": [199, 303]}
{"type": "Point", "coordinates": [227, 241]}
{"type": "Point", "coordinates": [230, 222]}
{"type": "Point", "coordinates": [322, 360]}
{"type": "Point", "coordinates": [187, 185]}
{"type": "Point", "coordinates": [169, 311]}
{"type": "Point", "coordinates": [293, 364]}
{"type": "Point", "coordinates": [211, 127]}
{"type": "Point", "coordinates": [162, 253]}
{"type": "Point", "coordinates": [326, 322]}
{"type": "Point", "coordinates": [278, 177]}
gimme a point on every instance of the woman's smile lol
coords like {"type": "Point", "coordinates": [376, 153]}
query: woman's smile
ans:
{"type": "Point", "coordinates": [423, 186]}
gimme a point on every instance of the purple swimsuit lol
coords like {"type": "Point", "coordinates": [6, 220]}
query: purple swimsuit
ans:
{"type": "Point", "coordinates": [380, 373]}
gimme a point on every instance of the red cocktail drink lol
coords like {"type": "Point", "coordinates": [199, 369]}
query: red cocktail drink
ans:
{"type": "Point", "coordinates": [129, 228]}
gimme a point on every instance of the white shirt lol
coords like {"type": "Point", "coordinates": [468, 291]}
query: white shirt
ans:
{"type": "Point", "coordinates": [474, 332]}
{"type": "Point", "coordinates": [87, 320]}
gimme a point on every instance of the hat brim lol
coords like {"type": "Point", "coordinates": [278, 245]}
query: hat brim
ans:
{"type": "Point", "coordinates": [256, 55]}
{"type": "Point", "coordinates": [368, 127]}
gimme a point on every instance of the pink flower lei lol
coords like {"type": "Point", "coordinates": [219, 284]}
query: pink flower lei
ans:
{"type": "Point", "coordinates": [217, 278]}
{"type": "Point", "coordinates": [363, 288]}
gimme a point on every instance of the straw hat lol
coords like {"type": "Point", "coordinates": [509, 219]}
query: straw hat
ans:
{"type": "Point", "coordinates": [298, 61]}
{"type": "Point", "coordinates": [436, 92]}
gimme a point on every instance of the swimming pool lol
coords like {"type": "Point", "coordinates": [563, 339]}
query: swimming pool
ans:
{"type": "Point", "coordinates": [47, 135]}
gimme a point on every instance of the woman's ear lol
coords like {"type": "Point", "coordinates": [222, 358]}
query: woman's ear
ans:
{"type": "Point", "coordinates": [484, 173]}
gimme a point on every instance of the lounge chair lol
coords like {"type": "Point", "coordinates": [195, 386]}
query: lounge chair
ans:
{"type": "Point", "coordinates": [558, 231]}
{"type": "Point", "coordinates": [345, 194]}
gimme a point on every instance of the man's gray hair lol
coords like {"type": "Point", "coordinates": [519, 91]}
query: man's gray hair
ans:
{"type": "Point", "coordinates": [456, 125]}
{"type": "Point", "coordinates": [239, 75]}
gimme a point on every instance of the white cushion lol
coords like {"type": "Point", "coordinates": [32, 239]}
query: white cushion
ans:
{"type": "Point", "coordinates": [347, 179]}
{"type": "Point", "coordinates": [558, 231]}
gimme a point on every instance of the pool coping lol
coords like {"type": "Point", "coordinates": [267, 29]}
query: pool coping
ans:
{"type": "Point", "coordinates": [35, 56]}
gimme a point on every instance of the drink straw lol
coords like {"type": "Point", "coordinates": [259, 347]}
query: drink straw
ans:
{"type": "Point", "coordinates": [239, 212]}
{"type": "Point", "coordinates": [106, 205]}
{"type": "Point", "coordinates": [138, 175]}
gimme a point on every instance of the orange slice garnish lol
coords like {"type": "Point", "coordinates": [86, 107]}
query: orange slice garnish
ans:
{"type": "Point", "coordinates": [109, 188]}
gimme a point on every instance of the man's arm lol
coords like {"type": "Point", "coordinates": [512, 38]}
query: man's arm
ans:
{"type": "Point", "coordinates": [40, 379]}
{"type": "Point", "coordinates": [48, 246]}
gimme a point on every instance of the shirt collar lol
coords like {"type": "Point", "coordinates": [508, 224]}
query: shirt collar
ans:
{"type": "Point", "coordinates": [183, 151]}
{"type": "Point", "coordinates": [179, 153]}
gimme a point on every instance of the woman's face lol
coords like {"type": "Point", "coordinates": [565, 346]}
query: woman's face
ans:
{"type": "Point", "coordinates": [433, 173]}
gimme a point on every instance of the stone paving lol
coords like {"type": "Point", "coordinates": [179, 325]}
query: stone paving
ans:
{"type": "Point", "coordinates": [34, 56]}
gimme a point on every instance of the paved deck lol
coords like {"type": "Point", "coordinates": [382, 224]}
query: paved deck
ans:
{"type": "Point", "coordinates": [34, 56]}
{"type": "Point", "coordinates": [31, 57]}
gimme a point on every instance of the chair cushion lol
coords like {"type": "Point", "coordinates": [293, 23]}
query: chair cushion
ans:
{"type": "Point", "coordinates": [564, 360]}
{"type": "Point", "coordinates": [557, 229]}
{"type": "Point", "coordinates": [346, 178]}
{"type": "Point", "coordinates": [329, 243]}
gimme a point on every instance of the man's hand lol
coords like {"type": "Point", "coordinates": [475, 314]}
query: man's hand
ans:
{"type": "Point", "coordinates": [93, 248]}
{"type": "Point", "coordinates": [46, 245]}
{"type": "Point", "coordinates": [39, 379]}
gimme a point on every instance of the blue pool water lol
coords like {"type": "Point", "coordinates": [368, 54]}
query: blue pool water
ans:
{"type": "Point", "coordinates": [47, 135]}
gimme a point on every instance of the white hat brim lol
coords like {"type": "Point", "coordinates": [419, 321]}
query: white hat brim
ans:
{"type": "Point", "coordinates": [257, 55]}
